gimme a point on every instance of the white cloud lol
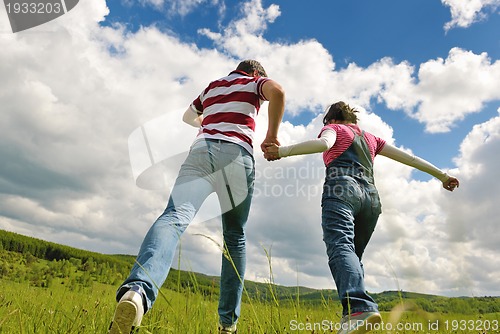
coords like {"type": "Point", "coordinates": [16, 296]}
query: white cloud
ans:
{"type": "Point", "coordinates": [447, 90]}
{"type": "Point", "coordinates": [72, 92]}
{"type": "Point", "coordinates": [451, 89]}
{"type": "Point", "coordinates": [466, 12]}
{"type": "Point", "coordinates": [479, 164]}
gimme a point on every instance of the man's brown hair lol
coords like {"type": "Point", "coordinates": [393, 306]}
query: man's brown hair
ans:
{"type": "Point", "coordinates": [250, 65]}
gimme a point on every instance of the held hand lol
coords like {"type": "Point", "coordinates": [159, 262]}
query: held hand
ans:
{"type": "Point", "coordinates": [451, 183]}
{"type": "Point", "coordinates": [269, 141]}
{"type": "Point", "coordinates": [272, 152]}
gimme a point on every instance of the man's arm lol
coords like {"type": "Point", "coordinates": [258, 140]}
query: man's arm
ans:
{"type": "Point", "coordinates": [394, 153]}
{"type": "Point", "coordinates": [276, 97]}
{"type": "Point", "coordinates": [192, 118]}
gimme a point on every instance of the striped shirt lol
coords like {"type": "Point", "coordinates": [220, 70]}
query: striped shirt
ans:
{"type": "Point", "coordinates": [229, 106]}
{"type": "Point", "coordinates": [345, 137]}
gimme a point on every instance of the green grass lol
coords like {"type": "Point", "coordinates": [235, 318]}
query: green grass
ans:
{"type": "Point", "coordinates": [26, 309]}
{"type": "Point", "coordinates": [49, 288]}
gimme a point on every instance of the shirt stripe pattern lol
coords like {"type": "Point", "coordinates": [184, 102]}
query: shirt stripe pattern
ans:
{"type": "Point", "coordinates": [229, 107]}
{"type": "Point", "coordinates": [345, 138]}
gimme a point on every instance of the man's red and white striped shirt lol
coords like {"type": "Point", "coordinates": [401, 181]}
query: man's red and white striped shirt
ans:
{"type": "Point", "coordinates": [229, 106]}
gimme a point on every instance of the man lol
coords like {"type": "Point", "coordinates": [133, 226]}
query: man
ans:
{"type": "Point", "coordinates": [220, 160]}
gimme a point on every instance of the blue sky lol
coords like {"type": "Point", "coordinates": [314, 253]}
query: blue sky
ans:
{"type": "Point", "coordinates": [78, 92]}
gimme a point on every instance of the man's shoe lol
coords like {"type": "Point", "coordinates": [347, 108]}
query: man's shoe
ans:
{"type": "Point", "coordinates": [128, 313]}
{"type": "Point", "coordinates": [360, 322]}
{"type": "Point", "coordinates": [225, 329]}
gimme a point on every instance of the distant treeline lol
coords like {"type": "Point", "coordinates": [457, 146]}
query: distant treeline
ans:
{"type": "Point", "coordinates": [42, 263]}
{"type": "Point", "coordinates": [51, 251]}
{"type": "Point", "coordinates": [24, 258]}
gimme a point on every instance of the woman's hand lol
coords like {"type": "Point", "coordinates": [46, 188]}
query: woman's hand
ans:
{"type": "Point", "coordinates": [451, 183]}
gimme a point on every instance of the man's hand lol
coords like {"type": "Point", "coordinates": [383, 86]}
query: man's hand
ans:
{"type": "Point", "coordinates": [269, 140]}
{"type": "Point", "coordinates": [272, 152]}
{"type": "Point", "coordinates": [268, 143]}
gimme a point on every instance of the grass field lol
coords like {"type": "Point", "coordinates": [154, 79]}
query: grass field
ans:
{"type": "Point", "coordinates": [25, 309]}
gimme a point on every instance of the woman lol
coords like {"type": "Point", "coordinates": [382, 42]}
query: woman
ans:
{"type": "Point", "coordinates": [350, 203]}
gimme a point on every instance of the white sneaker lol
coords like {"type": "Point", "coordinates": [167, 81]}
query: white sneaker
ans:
{"type": "Point", "coordinates": [128, 313]}
{"type": "Point", "coordinates": [360, 322]}
{"type": "Point", "coordinates": [223, 329]}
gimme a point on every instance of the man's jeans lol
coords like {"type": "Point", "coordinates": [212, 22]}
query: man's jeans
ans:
{"type": "Point", "coordinates": [211, 166]}
{"type": "Point", "coordinates": [350, 210]}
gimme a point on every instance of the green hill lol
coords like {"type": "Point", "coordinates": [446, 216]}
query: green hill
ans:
{"type": "Point", "coordinates": [42, 263]}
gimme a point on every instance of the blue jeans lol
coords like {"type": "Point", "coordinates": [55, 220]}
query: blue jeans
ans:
{"type": "Point", "coordinates": [211, 166]}
{"type": "Point", "coordinates": [350, 210]}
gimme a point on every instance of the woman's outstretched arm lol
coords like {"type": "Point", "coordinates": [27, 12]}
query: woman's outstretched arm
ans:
{"type": "Point", "coordinates": [394, 153]}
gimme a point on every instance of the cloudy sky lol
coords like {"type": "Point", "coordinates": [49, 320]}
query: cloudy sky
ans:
{"type": "Point", "coordinates": [91, 135]}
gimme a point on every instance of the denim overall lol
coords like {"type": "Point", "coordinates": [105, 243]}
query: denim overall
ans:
{"type": "Point", "coordinates": [350, 209]}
